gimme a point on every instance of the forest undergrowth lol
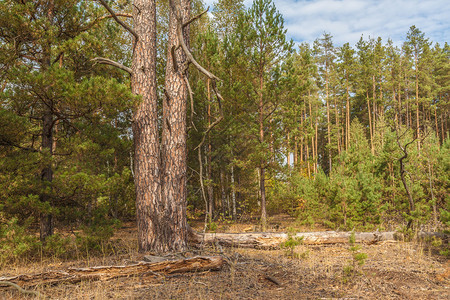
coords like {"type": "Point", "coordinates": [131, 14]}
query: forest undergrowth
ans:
{"type": "Point", "coordinates": [390, 270]}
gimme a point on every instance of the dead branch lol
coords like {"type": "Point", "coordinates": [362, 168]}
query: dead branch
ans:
{"type": "Point", "coordinates": [403, 171]}
{"type": "Point", "coordinates": [114, 15]}
{"type": "Point", "coordinates": [104, 273]}
{"type": "Point", "coordinates": [195, 18]}
{"type": "Point", "coordinates": [106, 61]}
{"type": "Point", "coordinates": [205, 134]}
{"type": "Point", "coordinates": [117, 14]}
{"type": "Point", "coordinates": [22, 290]}
{"type": "Point", "coordinates": [272, 279]}
{"type": "Point", "coordinates": [202, 186]}
{"type": "Point", "coordinates": [176, 7]}
{"type": "Point", "coordinates": [191, 94]}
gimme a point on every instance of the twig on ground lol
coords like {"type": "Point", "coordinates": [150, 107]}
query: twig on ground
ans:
{"type": "Point", "coordinates": [22, 290]}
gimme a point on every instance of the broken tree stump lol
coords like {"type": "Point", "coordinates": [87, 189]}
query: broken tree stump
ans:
{"type": "Point", "coordinates": [103, 273]}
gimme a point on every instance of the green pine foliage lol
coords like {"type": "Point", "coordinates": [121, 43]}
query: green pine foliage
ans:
{"type": "Point", "coordinates": [334, 121]}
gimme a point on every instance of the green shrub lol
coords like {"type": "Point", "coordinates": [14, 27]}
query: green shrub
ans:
{"type": "Point", "coordinates": [15, 242]}
{"type": "Point", "coordinates": [358, 259]}
{"type": "Point", "coordinates": [290, 244]}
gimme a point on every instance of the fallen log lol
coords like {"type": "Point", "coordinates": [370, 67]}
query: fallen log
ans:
{"type": "Point", "coordinates": [103, 273]}
{"type": "Point", "coordinates": [270, 240]}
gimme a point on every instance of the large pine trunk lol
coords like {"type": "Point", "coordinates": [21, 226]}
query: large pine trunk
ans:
{"type": "Point", "coordinates": [172, 236]}
{"type": "Point", "coordinates": [145, 127]}
{"type": "Point", "coordinates": [160, 166]}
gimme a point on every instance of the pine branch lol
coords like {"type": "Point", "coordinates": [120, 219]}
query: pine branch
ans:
{"type": "Point", "coordinates": [195, 18]}
{"type": "Point", "coordinates": [114, 15]}
{"type": "Point", "coordinates": [105, 61]}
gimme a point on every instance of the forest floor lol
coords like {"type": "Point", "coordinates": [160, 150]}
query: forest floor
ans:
{"type": "Point", "coordinates": [392, 270]}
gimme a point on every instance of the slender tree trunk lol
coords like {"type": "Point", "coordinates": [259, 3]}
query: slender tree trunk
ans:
{"type": "Point", "coordinates": [403, 177]}
{"type": "Point", "coordinates": [210, 188]}
{"type": "Point", "coordinates": [46, 222]}
{"type": "Point", "coordinates": [437, 127]}
{"type": "Point", "coordinates": [381, 110]}
{"type": "Point", "coordinates": [46, 219]}
{"type": "Point", "coordinates": [262, 170]}
{"type": "Point", "coordinates": [433, 200]}
{"type": "Point", "coordinates": [307, 160]}
{"type": "Point", "coordinates": [296, 152]}
{"type": "Point", "coordinates": [209, 161]}
{"type": "Point", "coordinates": [316, 142]}
{"type": "Point", "coordinates": [347, 106]}
{"type": "Point", "coordinates": [262, 176]}
{"type": "Point", "coordinates": [417, 103]}
{"type": "Point", "coordinates": [202, 187]}
{"type": "Point", "coordinates": [222, 193]}
{"type": "Point", "coordinates": [399, 105]}
{"type": "Point", "coordinates": [301, 136]}
{"type": "Point", "coordinates": [288, 151]}
{"type": "Point", "coordinates": [338, 138]}
{"type": "Point", "coordinates": [312, 128]}
{"type": "Point", "coordinates": [395, 103]}
{"type": "Point", "coordinates": [233, 191]}
{"type": "Point", "coordinates": [328, 122]}
{"type": "Point", "coordinates": [374, 105]}
{"type": "Point", "coordinates": [370, 123]}
{"type": "Point", "coordinates": [145, 129]}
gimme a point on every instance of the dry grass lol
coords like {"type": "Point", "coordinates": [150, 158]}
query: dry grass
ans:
{"type": "Point", "coordinates": [392, 271]}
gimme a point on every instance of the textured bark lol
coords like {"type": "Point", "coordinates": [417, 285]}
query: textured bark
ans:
{"type": "Point", "coordinates": [103, 273]}
{"type": "Point", "coordinates": [172, 236]}
{"type": "Point", "coordinates": [145, 128]}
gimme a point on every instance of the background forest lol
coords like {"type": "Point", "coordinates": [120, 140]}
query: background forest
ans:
{"type": "Point", "coordinates": [351, 136]}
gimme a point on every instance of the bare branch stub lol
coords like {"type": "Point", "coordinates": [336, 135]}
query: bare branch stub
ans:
{"type": "Point", "coordinates": [106, 61]}
{"type": "Point", "coordinates": [114, 15]}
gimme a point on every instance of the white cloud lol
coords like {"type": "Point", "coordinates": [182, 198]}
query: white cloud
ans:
{"type": "Point", "coordinates": [346, 20]}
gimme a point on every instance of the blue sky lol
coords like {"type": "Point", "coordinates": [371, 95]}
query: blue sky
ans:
{"type": "Point", "coordinates": [347, 20]}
